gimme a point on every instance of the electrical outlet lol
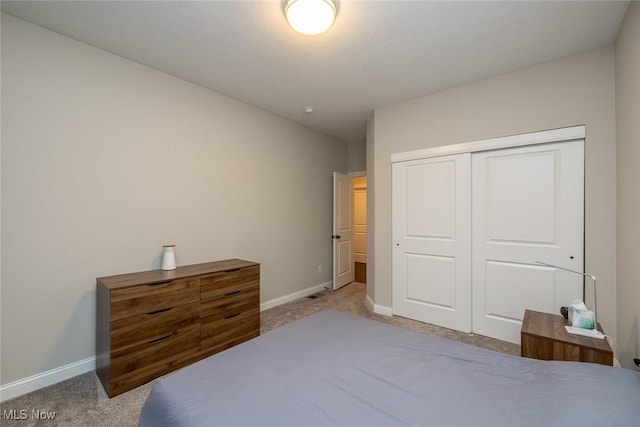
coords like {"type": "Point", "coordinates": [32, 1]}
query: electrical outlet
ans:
{"type": "Point", "coordinates": [320, 268]}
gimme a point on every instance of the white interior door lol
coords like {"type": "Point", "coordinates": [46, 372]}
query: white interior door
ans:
{"type": "Point", "coordinates": [432, 240]}
{"type": "Point", "coordinates": [343, 264]}
{"type": "Point", "coordinates": [528, 206]}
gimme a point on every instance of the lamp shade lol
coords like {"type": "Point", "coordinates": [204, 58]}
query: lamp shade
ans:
{"type": "Point", "coordinates": [310, 17]}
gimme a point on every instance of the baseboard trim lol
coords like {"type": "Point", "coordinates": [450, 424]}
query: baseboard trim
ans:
{"type": "Point", "coordinates": [376, 308]}
{"type": "Point", "coordinates": [45, 379]}
{"type": "Point", "coordinates": [295, 295]}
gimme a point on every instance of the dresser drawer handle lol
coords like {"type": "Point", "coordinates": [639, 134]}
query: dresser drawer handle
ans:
{"type": "Point", "coordinates": [160, 311]}
{"type": "Point", "coordinates": [160, 339]}
{"type": "Point", "coordinates": [232, 316]}
{"type": "Point", "coordinates": [159, 283]}
{"type": "Point", "coordinates": [231, 270]}
{"type": "Point", "coordinates": [232, 293]}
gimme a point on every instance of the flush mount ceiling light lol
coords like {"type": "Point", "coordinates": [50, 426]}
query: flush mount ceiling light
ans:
{"type": "Point", "coordinates": [310, 17]}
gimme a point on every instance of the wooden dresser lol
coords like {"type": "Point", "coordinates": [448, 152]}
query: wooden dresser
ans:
{"type": "Point", "coordinates": [153, 322]}
{"type": "Point", "coordinates": [543, 336]}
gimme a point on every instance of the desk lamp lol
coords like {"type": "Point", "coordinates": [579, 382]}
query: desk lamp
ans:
{"type": "Point", "coordinates": [593, 333]}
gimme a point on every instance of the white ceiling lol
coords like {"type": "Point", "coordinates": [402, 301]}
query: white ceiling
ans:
{"type": "Point", "coordinates": [376, 54]}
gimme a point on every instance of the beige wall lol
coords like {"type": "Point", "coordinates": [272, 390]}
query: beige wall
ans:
{"type": "Point", "coordinates": [357, 156]}
{"type": "Point", "coordinates": [628, 136]}
{"type": "Point", "coordinates": [571, 91]}
{"type": "Point", "coordinates": [104, 160]}
{"type": "Point", "coordinates": [371, 207]}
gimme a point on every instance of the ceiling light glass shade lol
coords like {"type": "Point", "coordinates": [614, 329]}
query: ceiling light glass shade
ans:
{"type": "Point", "coordinates": [310, 16]}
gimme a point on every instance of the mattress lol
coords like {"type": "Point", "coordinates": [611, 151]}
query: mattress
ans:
{"type": "Point", "coordinates": [337, 369]}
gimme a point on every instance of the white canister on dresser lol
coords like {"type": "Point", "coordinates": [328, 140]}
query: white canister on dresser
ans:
{"type": "Point", "coordinates": [168, 257]}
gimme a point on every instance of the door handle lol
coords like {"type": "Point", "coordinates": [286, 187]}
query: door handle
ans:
{"type": "Point", "coordinates": [335, 236]}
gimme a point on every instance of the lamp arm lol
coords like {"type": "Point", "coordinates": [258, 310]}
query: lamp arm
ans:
{"type": "Point", "coordinates": [595, 299]}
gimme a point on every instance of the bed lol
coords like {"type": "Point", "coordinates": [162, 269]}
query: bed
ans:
{"type": "Point", "coordinates": [333, 368]}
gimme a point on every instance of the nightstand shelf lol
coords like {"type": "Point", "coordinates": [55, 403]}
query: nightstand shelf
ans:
{"type": "Point", "coordinates": [543, 336]}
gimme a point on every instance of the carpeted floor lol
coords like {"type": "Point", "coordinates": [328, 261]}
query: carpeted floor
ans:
{"type": "Point", "coordinates": [81, 401]}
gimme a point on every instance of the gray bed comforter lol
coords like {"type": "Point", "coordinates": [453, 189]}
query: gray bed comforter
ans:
{"type": "Point", "coordinates": [335, 369]}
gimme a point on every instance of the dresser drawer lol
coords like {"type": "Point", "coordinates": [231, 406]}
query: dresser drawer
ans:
{"type": "Point", "coordinates": [150, 326]}
{"type": "Point", "coordinates": [229, 281]}
{"type": "Point", "coordinates": [227, 332]}
{"type": "Point", "coordinates": [229, 305]}
{"type": "Point", "coordinates": [142, 299]}
{"type": "Point", "coordinates": [138, 364]}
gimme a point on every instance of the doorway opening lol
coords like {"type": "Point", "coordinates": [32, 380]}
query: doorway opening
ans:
{"type": "Point", "coordinates": [360, 228]}
{"type": "Point", "coordinates": [349, 228]}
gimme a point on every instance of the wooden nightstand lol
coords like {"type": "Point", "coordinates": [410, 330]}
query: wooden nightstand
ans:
{"type": "Point", "coordinates": [543, 336]}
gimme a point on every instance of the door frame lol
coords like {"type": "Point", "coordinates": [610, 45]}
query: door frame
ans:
{"type": "Point", "coordinates": [542, 137]}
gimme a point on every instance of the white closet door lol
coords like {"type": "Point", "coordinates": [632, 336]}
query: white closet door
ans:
{"type": "Point", "coordinates": [431, 238]}
{"type": "Point", "coordinates": [528, 205]}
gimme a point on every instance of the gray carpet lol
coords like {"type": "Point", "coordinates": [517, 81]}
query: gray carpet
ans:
{"type": "Point", "coordinates": [81, 401]}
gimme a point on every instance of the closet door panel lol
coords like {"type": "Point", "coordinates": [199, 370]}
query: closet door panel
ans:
{"type": "Point", "coordinates": [431, 279]}
{"type": "Point", "coordinates": [431, 232]}
{"type": "Point", "coordinates": [527, 207]}
{"type": "Point", "coordinates": [521, 198]}
{"type": "Point", "coordinates": [514, 287]}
